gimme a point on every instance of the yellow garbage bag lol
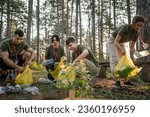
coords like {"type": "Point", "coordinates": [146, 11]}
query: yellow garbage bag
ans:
{"type": "Point", "coordinates": [67, 75]}
{"type": "Point", "coordinates": [57, 69]}
{"type": "Point", "coordinates": [34, 65]}
{"type": "Point", "coordinates": [40, 67]}
{"type": "Point", "coordinates": [126, 68]}
{"type": "Point", "coordinates": [25, 77]}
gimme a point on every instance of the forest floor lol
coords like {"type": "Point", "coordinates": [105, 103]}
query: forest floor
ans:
{"type": "Point", "coordinates": [100, 89]}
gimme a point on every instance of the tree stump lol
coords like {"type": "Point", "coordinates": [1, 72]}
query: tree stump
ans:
{"type": "Point", "coordinates": [102, 69]}
{"type": "Point", "coordinates": [145, 74]}
{"type": "Point", "coordinates": [71, 95]}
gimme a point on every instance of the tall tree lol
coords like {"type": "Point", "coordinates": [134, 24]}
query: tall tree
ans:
{"type": "Point", "coordinates": [58, 16]}
{"type": "Point", "coordinates": [99, 27]}
{"type": "Point", "coordinates": [80, 16]}
{"type": "Point", "coordinates": [93, 26]}
{"type": "Point", "coordinates": [89, 41]}
{"type": "Point", "coordinates": [2, 2]}
{"type": "Point", "coordinates": [109, 17]}
{"type": "Point", "coordinates": [38, 27]}
{"type": "Point", "coordinates": [30, 11]}
{"type": "Point", "coordinates": [114, 5]}
{"type": "Point", "coordinates": [8, 20]}
{"type": "Point", "coordinates": [129, 21]}
{"type": "Point", "coordinates": [67, 18]}
{"type": "Point", "coordinates": [67, 33]}
{"type": "Point", "coordinates": [128, 11]}
{"type": "Point", "coordinates": [143, 9]}
{"type": "Point", "coordinates": [101, 33]}
{"type": "Point", "coordinates": [63, 23]}
{"type": "Point", "coordinates": [71, 20]}
{"type": "Point", "coordinates": [77, 9]}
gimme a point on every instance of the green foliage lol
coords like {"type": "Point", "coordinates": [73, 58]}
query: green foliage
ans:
{"type": "Point", "coordinates": [80, 83]}
{"type": "Point", "coordinates": [125, 72]}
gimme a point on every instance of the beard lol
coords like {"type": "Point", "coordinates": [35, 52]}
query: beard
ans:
{"type": "Point", "coordinates": [15, 43]}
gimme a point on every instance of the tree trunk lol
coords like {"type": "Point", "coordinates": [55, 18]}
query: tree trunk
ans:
{"type": "Point", "coordinates": [30, 9]}
{"type": "Point", "coordinates": [128, 11]}
{"type": "Point", "coordinates": [89, 31]}
{"type": "Point", "coordinates": [93, 26]}
{"type": "Point", "coordinates": [1, 21]}
{"type": "Point", "coordinates": [37, 14]}
{"type": "Point", "coordinates": [63, 24]}
{"type": "Point", "coordinates": [58, 11]}
{"type": "Point", "coordinates": [77, 7]}
{"type": "Point", "coordinates": [80, 22]}
{"type": "Point", "coordinates": [67, 32]}
{"type": "Point", "coordinates": [114, 5]}
{"type": "Point", "coordinates": [143, 9]}
{"type": "Point", "coordinates": [101, 36]}
{"type": "Point", "coordinates": [71, 94]}
{"type": "Point", "coordinates": [99, 27]}
{"type": "Point", "coordinates": [8, 20]}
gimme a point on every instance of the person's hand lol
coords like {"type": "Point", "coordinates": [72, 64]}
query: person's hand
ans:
{"type": "Point", "coordinates": [29, 63]}
{"type": "Point", "coordinates": [64, 59]}
{"type": "Point", "coordinates": [123, 52]}
{"type": "Point", "coordinates": [20, 69]}
{"type": "Point", "coordinates": [74, 63]}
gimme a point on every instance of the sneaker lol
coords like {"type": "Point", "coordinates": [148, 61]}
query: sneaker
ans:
{"type": "Point", "coordinates": [129, 83]}
{"type": "Point", "coordinates": [118, 84]}
{"type": "Point", "coordinates": [54, 81]}
{"type": "Point", "coordinates": [50, 77]}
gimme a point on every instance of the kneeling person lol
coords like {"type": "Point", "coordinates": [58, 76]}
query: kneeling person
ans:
{"type": "Point", "coordinates": [14, 54]}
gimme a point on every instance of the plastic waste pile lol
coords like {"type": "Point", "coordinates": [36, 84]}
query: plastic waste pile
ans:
{"type": "Point", "coordinates": [26, 89]}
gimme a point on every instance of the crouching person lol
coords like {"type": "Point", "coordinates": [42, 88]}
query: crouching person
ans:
{"type": "Point", "coordinates": [53, 55]}
{"type": "Point", "coordinates": [14, 55]}
{"type": "Point", "coordinates": [81, 52]}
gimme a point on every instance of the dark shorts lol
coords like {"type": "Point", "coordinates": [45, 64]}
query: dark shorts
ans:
{"type": "Point", "coordinates": [19, 60]}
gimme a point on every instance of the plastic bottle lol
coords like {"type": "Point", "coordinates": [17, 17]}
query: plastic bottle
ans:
{"type": "Point", "coordinates": [33, 90]}
{"type": "Point", "coordinates": [145, 45]}
{"type": "Point", "coordinates": [2, 90]}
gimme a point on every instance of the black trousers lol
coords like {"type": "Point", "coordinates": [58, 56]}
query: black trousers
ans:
{"type": "Point", "coordinates": [8, 70]}
{"type": "Point", "coordinates": [20, 62]}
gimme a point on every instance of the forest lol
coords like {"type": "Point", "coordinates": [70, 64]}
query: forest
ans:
{"type": "Point", "coordinates": [91, 22]}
